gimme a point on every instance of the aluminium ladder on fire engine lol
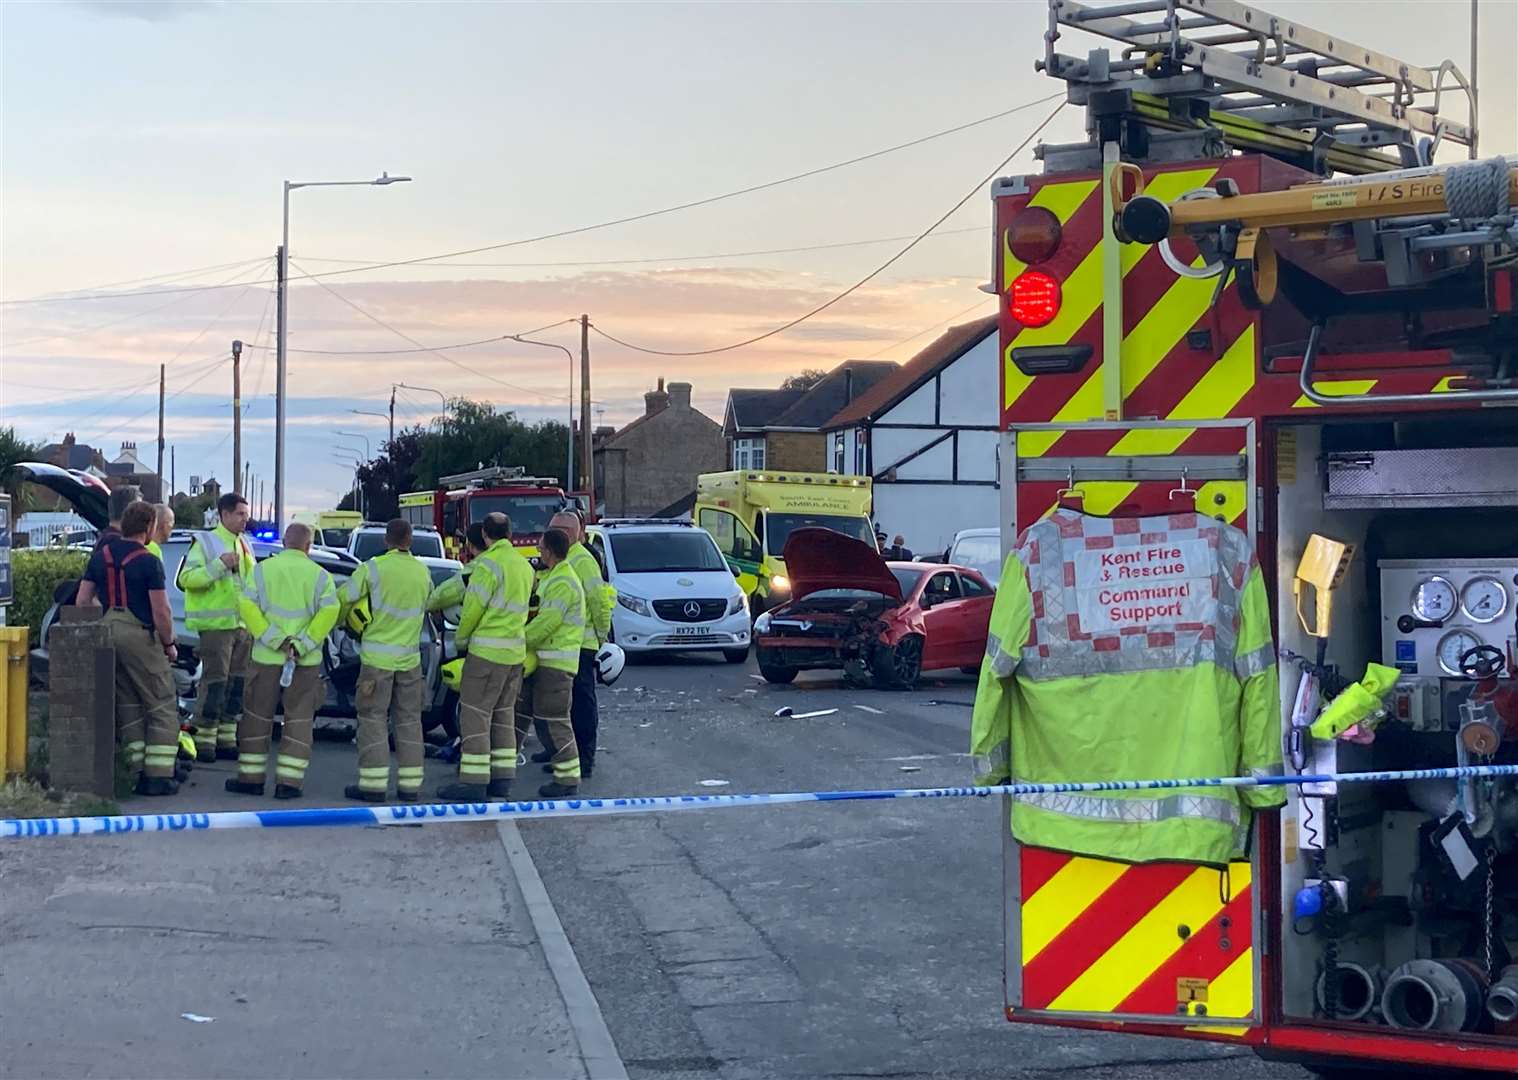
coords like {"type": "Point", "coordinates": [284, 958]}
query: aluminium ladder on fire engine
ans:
{"type": "Point", "coordinates": [1194, 71]}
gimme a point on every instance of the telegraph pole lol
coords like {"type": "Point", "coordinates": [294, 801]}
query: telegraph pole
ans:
{"type": "Point", "coordinates": [587, 464]}
{"type": "Point", "coordinates": [236, 407]}
{"type": "Point", "coordinates": [160, 427]}
{"type": "Point", "coordinates": [392, 412]}
{"type": "Point", "coordinates": [173, 483]}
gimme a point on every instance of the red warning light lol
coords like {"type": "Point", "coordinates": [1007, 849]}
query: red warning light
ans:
{"type": "Point", "coordinates": [1035, 298]}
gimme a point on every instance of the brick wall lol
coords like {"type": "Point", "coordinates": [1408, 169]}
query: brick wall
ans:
{"type": "Point", "coordinates": [802, 451]}
{"type": "Point", "coordinates": [655, 461]}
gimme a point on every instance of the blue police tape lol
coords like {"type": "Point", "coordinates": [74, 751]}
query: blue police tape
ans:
{"type": "Point", "coordinates": [442, 813]}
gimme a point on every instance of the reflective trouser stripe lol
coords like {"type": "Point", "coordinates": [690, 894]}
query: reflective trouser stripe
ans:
{"type": "Point", "coordinates": [376, 778]}
{"type": "Point", "coordinates": [408, 778]}
{"type": "Point", "coordinates": [252, 766]}
{"type": "Point", "coordinates": [559, 654]}
{"type": "Point", "coordinates": [503, 757]}
{"type": "Point", "coordinates": [474, 767]}
{"type": "Point", "coordinates": [290, 768]}
{"type": "Point", "coordinates": [134, 752]}
{"type": "Point", "coordinates": [567, 770]}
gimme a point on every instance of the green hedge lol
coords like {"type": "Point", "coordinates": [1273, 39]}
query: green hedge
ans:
{"type": "Point", "coordinates": [34, 575]}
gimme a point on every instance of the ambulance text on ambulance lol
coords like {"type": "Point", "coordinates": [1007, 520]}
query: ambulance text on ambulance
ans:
{"type": "Point", "coordinates": [1148, 585]}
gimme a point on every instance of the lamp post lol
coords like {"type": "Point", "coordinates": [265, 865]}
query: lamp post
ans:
{"type": "Point", "coordinates": [282, 322]}
{"type": "Point", "coordinates": [436, 450]}
{"type": "Point", "coordinates": [352, 463]}
{"type": "Point", "coordinates": [569, 457]}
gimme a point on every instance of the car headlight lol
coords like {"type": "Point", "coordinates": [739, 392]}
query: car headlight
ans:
{"type": "Point", "coordinates": [779, 583]}
{"type": "Point", "coordinates": [762, 624]}
{"type": "Point", "coordinates": [738, 603]}
{"type": "Point", "coordinates": [635, 604]}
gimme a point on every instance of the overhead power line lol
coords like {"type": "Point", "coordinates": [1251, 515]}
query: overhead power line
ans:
{"type": "Point", "coordinates": [858, 284]}
{"type": "Point", "coordinates": [581, 229]}
{"type": "Point", "coordinates": [232, 282]}
{"type": "Point", "coordinates": [982, 302]}
{"type": "Point", "coordinates": [154, 407]}
{"type": "Point", "coordinates": [444, 356]}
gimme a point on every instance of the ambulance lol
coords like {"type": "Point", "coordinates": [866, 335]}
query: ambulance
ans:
{"type": "Point", "coordinates": [751, 514]}
{"type": "Point", "coordinates": [1269, 288]}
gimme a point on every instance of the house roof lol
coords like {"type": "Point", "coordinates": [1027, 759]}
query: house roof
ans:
{"type": "Point", "coordinates": [79, 456]}
{"type": "Point", "coordinates": [610, 441]}
{"type": "Point", "coordinates": [755, 410]}
{"type": "Point", "coordinates": [943, 351]}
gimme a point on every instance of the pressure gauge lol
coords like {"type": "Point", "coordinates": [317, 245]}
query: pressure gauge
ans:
{"type": "Point", "coordinates": [1454, 645]}
{"type": "Point", "coordinates": [1434, 599]}
{"type": "Point", "coordinates": [1484, 599]}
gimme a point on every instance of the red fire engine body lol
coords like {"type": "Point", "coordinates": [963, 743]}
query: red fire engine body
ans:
{"type": "Point", "coordinates": [1137, 380]}
{"type": "Point", "coordinates": [466, 498]}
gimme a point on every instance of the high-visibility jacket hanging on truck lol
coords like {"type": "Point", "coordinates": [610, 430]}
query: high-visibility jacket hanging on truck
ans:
{"type": "Point", "coordinates": [1128, 648]}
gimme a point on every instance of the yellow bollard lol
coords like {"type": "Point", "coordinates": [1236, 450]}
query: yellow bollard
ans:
{"type": "Point", "coordinates": [13, 683]}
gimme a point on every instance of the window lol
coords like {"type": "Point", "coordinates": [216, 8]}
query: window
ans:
{"type": "Point", "coordinates": [972, 587]}
{"type": "Point", "coordinates": [451, 517]}
{"type": "Point", "coordinates": [838, 452]}
{"type": "Point", "coordinates": [941, 588]}
{"type": "Point", "coordinates": [981, 553]}
{"type": "Point", "coordinates": [665, 552]}
{"type": "Point", "coordinates": [748, 453]}
{"type": "Point", "coordinates": [861, 444]}
{"type": "Point", "coordinates": [598, 548]}
{"type": "Point", "coordinates": [529, 514]}
{"type": "Point", "coordinates": [779, 527]}
{"type": "Point", "coordinates": [732, 536]}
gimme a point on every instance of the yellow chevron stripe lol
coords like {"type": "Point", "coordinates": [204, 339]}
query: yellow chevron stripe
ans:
{"type": "Point", "coordinates": [1104, 985]}
{"type": "Point", "coordinates": [1159, 331]}
{"type": "Point", "coordinates": [1102, 496]}
{"type": "Point", "coordinates": [1069, 892]}
{"type": "Point", "coordinates": [1215, 394]}
{"type": "Point", "coordinates": [1342, 388]}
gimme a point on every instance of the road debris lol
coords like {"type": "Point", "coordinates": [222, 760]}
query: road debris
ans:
{"type": "Point", "coordinates": [714, 783]}
{"type": "Point", "coordinates": [870, 709]}
{"type": "Point", "coordinates": [196, 1018]}
{"type": "Point", "coordinates": [786, 711]}
{"type": "Point", "coordinates": [911, 768]}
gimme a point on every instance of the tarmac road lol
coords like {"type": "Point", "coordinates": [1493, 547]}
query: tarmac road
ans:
{"type": "Point", "coordinates": [838, 940]}
{"type": "Point", "coordinates": [827, 940]}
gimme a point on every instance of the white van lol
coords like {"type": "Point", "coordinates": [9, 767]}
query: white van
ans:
{"type": "Point", "coordinates": [675, 591]}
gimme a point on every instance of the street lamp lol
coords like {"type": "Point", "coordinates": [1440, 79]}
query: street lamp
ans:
{"type": "Point", "coordinates": [388, 419]}
{"type": "Point", "coordinates": [368, 456]}
{"type": "Point", "coordinates": [436, 450]}
{"type": "Point", "coordinates": [569, 457]}
{"type": "Point", "coordinates": [358, 493]}
{"type": "Point", "coordinates": [282, 321]}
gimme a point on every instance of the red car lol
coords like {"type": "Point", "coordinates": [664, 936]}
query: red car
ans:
{"type": "Point", "coordinates": [881, 623]}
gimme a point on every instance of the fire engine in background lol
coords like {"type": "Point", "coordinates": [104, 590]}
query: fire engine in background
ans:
{"type": "Point", "coordinates": [1252, 294]}
{"type": "Point", "coordinates": [465, 498]}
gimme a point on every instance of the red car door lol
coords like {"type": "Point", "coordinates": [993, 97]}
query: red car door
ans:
{"type": "Point", "coordinates": [943, 619]}
{"type": "Point", "coordinates": [974, 614]}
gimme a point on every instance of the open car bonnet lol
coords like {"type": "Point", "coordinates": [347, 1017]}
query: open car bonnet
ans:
{"type": "Point", "coordinates": [817, 559]}
{"type": "Point", "coordinates": [87, 494]}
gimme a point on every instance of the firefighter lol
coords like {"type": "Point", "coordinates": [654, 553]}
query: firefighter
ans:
{"type": "Point", "coordinates": [584, 711]}
{"type": "Point", "coordinates": [390, 683]}
{"type": "Point", "coordinates": [1129, 649]}
{"type": "Point", "coordinates": [491, 633]}
{"type": "Point", "coordinates": [289, 610]}
{"type": "Point", "coordinates": [129, 581]}
{"type": "Point", "coordinates": [554, 636]}
{"type": "Point", "coordinates": [450, 594]}
{"type": "Point", "coordinates": [215, 573]}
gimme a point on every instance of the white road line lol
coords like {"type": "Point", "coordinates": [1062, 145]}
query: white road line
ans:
{"type": "Point", "coordinates": [597, 1050]}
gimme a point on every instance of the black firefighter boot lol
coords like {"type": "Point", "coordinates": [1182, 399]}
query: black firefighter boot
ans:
{"type": "Point", "coordinates": [461, 792]}
{"type": "Point", "coordinates": [243, 787]}
{"type": "Point", "coordinates": [499, 789]}
{"type": "Point", "coordinates": [156, 785]}
{"type": "Point", "coordinates": [353, 791]}
{"type": "Point", "coordinates": [556, 790]}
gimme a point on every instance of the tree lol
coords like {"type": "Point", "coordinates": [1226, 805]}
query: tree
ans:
{"type": "Point", "coordinates": [804, 379]}
{"type": "Point", "coordinates": [473, 435]}
{"type": "Point", "coordinates": [13, 451]}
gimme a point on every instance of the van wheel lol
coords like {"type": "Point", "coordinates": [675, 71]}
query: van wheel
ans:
{"type": "Point", "coordinates": [898, 667]}
{"type": "Point", "coordinates": [735, 656]}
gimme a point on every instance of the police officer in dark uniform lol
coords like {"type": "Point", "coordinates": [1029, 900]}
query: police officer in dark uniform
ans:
{"type": "Point", "coordinates": [125, 578]}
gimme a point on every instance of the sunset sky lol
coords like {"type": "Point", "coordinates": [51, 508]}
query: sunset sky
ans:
{"type": "Point", "coordinates": [151, 139]}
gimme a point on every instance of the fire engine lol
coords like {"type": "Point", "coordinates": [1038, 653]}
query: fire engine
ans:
{"type": "Point", "coordinates": [1260, 291]}
{"type": "Point", "coordinates": [465, 498]}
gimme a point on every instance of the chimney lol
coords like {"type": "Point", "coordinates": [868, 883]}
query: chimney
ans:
{"type": "Point", "coordinates": [655, 401]}
{"type": "Point", "coordinates": [848, 384]}
{"type": "Point", "coordinates": [679, 395]}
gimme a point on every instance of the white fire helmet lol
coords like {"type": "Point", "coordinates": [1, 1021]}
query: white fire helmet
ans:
{"type": "Point", "coordinates": [610, 660]}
